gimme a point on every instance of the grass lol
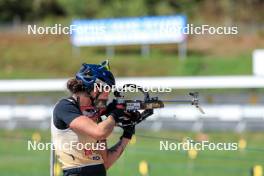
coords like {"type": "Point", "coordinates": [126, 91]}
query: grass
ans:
{"type": "Point", "coordinates": [25, 56]}
{"type": "Point", "coordinates": [17, 161]}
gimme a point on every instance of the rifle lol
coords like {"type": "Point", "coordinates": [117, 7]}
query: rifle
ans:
{"type": "Point", "coordinates": [147, 104]}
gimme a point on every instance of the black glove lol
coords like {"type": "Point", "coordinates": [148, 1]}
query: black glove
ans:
{"type": "Point", "coordinates": [128, 131]}
{"type": "Point", "coordinates": [110, 107]}
{"type": "Point", "coordinates": [129, 118]}
{"type": "Point", "coordinates": [133, 115]}
{"type": "Point", "coordinates": [118, 115]}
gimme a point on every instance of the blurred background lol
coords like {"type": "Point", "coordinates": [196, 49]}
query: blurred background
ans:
{"type": "Point", "coordinates": [224, 69]}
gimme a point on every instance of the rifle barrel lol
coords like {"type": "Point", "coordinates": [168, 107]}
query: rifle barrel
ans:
{"type": "Point", "coordinates": [177, 101]}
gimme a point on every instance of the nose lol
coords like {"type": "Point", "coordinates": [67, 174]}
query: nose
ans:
{"type": "Point", "coordinates": [104, 95]}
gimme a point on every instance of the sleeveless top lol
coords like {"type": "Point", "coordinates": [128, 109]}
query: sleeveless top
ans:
{"type": "Point", "coordinates": [73, 149]}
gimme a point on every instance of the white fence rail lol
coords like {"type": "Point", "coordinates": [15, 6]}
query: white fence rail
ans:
{"type": "Point", "coordinates": [35, 115]}
{"type": "Point", "coordinates": [39, 115]}
{"type": "Point", "coordinates": [198, 82]}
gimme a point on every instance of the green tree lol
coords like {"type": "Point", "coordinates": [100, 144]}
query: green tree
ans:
{"type": "Point", "coordinates": [81, 8]}
{"type": "Point", "coordinates": [10, 9]}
